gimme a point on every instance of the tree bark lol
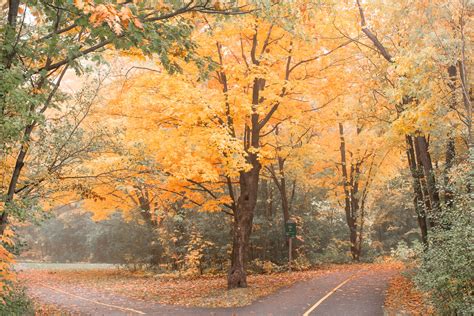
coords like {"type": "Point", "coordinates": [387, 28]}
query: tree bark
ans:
{"type": "Point", "coordinates": [349, 195]}
{"type": "Point", "coordinates": [6, 58]}
{"type": "Point", "coordinates": [424, 158]}
{"type": "Point", "coordinates": [242, 229]}
{"type": "Point", "coordinates": [449, 162]}
{"type": "Point", "coordinates": [418, 199]}
{"type": "Point", "coordinates": [280, 182]}
{"type": "Point", "coordinates": [248, 182]}
{"type": "Point", "coordinates": [450, 153]}
{"type": "Point", "coordinates": [10, 32]}
{"type": "Point", "coordinates": [284, 200]}
{"type": "Point", "coordinates": [354, 179]}
{"type": "Point", "coordinates": [20, 162]}
{"type": "Point", "coordinates": [243, 218]}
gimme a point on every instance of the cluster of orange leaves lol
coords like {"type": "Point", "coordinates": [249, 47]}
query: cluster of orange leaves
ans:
{"type": "Point", "coordinates": [117, 20]}
{"type": "Point", "coordinates": [6, 261]}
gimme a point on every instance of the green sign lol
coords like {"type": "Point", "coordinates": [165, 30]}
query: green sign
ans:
{"type": "Point", "coordinates": [290, 229]}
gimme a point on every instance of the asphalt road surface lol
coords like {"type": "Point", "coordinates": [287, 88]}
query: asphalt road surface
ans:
{"type": "Point", "coordinates": [352, 293]}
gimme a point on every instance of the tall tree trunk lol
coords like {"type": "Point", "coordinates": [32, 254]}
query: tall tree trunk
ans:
{"type": "Point", "coordinates": [248, 182]}
{"type": "Point", "coordinates": [284, 200]}
{"type": "Point", "coordinates": [145, 206]}
{"type": "Point", "coordinates": [269, 201]}
{"type": "Point", "coordinates": [354, 179]}
{"type": "Point", "coordinates": [449, 162]}
{"type": "Point", "coordinates": [418, 199]}
{"type": "Point", "coordinates": [363, 199]}
{"type": "Point", "coordinates": [349, 195]}
{"type": "Point", "coordinates": [424, 158]}
{"type": "Point", "coordinates": [7, 56]}
{"type": "Point", "coordinates": [267, 206]}
{"type": "Point", "coordinates": [10, 33]}
{"type": "Point", "coordinates": [450, 153]}
{"type": "Point", "coordinates": [11, 189]}
{"type": "Point", "coordinates": [242, 228]}
{"type": "Point", "coordinates": [280, 182]}
{"type": "Point", "coordinates": [466, 73]}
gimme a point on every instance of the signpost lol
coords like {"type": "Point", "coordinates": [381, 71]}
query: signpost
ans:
{"type": "Point", "coordinates": [290, 230]}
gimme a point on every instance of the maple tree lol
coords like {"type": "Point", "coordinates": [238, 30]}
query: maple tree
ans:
{"type": "Point", "coordinates": [214, 140]}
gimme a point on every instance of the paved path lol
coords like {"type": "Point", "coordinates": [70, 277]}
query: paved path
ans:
{"type": "Point", "coordinates": [351, 293]}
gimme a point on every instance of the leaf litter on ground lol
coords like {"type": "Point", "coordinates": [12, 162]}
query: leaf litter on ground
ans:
{"type": "Point", "coordinates": [201, 291]}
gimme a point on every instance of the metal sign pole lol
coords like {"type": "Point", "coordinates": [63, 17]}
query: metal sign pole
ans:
{"type": "Point", "coordinates": [290, 232]}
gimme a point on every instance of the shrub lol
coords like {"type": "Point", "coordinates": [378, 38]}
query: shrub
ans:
{"type": "Point", "coordinates": [445, 269]}
{"type": "Point", "coordinates": [16, 302]}
{"type": "Point", "coordinates": [405, 253]}
{"type": "Point", "coordinates": [301, 263]}
{"type": "Point", "coordinates": [336, 252]}
{"type": "Point", "coordinates": [264, 266]}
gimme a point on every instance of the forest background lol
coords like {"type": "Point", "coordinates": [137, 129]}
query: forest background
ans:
{"type": "Point", "coordinates": [200, 128]}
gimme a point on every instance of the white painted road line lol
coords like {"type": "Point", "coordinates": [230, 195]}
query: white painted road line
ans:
{"type": "Point", "coordinates": [96, 302]}
{"type": "Point", "coordinates": [329, 294]}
